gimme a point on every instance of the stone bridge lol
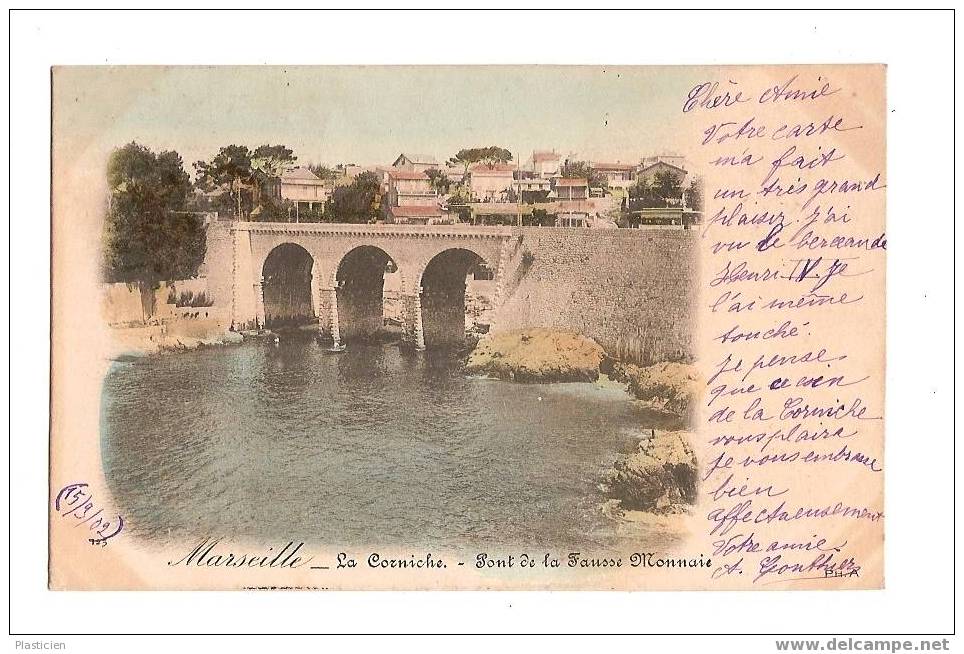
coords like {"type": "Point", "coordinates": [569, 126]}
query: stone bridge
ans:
{"type": "Point", "coordinates": [333, 274]}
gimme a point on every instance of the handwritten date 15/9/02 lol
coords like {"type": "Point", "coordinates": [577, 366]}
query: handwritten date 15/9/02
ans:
{"type": "Point", "coordinates": [75, 502]}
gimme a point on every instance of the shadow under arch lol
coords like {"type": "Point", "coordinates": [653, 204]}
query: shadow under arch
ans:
{"type": "Point", "coordinates": [360, 280]}
{"type": "Point", "coordinates": [286, 276]}
{"type": "Point", "coordinates": [443, 286]}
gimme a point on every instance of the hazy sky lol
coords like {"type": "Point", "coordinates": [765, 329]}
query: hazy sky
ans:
{"type": "Point", "coordinates": [367, 115]}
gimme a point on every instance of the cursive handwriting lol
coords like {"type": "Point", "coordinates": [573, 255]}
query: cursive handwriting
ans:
{"type": "Point", "coordinates": [75, 502]}
{"type": "Point", "coordinates": [792, 278]}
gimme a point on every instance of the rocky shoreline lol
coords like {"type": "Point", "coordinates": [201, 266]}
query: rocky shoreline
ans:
{"type": "Point", "coordinates": [660, 476]}
{"type": "Point", "coordinates": [135, 343]}
{"type": "Point", "coordinates": [669, 388]}
{"type": "Point", "coordinates": [544, 356]}
{"type": "Point", "coordinates": [537, 356]}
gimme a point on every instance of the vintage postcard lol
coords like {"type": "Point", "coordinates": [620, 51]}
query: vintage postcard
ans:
{"type": "Point", "coordinates": [490, 327]}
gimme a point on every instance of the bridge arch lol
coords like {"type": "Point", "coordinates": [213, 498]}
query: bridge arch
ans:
{"type": "Point", "coordinates": [359, 278]}
{"type": "Point", "coordinates": [286, 286]}
{"type": "Point", "coordinates": [443, 285]}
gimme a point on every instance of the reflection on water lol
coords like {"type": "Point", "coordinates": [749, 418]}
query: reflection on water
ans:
{"type": "Point", "coordinates": [373, 446]}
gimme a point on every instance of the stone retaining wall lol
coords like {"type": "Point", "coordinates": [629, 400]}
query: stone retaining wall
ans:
{"type": "Point", "coordinates": [632, 289]}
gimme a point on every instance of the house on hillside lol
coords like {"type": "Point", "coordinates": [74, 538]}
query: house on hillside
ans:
{"type": "Point", "coordinates": [545, 164]}
{"type": "Point", "coordinates": [411, 198]}
{"type": "Point", "coordinates": [491, 182]}
{"type": "Point", "coordinates": [531, 189]}
{"type": "Point", "coordinates": [649, 172]}
{"type": "Point", "coordinates": [617, 175]}
{"type": "Point", "coordinates": [571, 202]}
{"type": "Point", "coordinates": [672, 159]}
{"type": "Point", "coordinates": [573, 213]}
{"type": "Point", "coordinates": [304, 188]}
{"type": "Point", "coordinates": [415, 162]}
{"type": "Point", "coordinates": [571, 188]}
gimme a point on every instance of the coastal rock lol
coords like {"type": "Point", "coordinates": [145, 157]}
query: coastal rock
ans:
{"type": "Point", "coordinates": [130, 344]}
{"type": "Point", "coordinates": [667, 387]}
{"type": "Point", "coordinates": [660, 477]}
{"type": "Point", "coordinates": [536, 356]}
{"type": "Point", "coordinates": [229, 337]}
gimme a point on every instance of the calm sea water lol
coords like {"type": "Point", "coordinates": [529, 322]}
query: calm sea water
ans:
{"type": "Point", "coordinates": [376, 445]}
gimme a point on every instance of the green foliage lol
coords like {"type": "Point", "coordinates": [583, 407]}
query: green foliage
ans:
{"type": "Point", "coordinates": [583, 170]}
{"type": "Point", "coordinates": [273, 160]}
{"type": "Point", "coordinates": [535, 197]}
{"type": "Point", "coordinates": [459, 201]}
{"type": "Point", "coordinates": [357, 202]}
{"type": "Point", "coordinates": [324, 173]}
{"type": "Point", "coordinates": [148, 234]}
{"type": "Point", "coordinates": [490, 155]}
{"type": "Point", "coordinates": [273, 210]}
{"type": "Point", "coordinates": [694, 194]}
{"type": "Point", "coordinates": [242, 173]}
{"type": "Point", "coordinates": [662, 190]}
{"type": "Point", "coordinates": [460, 196]}
{"type": "Point", "coordinates": [304, 214]}
{"type": "Point", "coordinates": [538, 218]}
{"type": "Point", "coordinates": [440, 181]}
{"type": "Point", "coordinates": [189, 299]}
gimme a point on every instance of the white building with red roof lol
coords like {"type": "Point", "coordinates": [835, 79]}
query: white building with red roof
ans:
{"type": "Point", "coordinates": [411, 198]}
{"type": "Point", "coordinates": [545, 163]}
{"type": "Point", "coordinates": [491, 182]}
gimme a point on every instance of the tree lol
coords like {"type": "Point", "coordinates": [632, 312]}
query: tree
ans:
{"type": "Point", "coordinates": [357, 202]}
{"type": "Point", "coordinates": [440, 181]}
{"type": "Point", "coordinates": [583, 170]}
{"type": "Point", "coordinates": [148, 235]}
{"type": "Point", "coordinates": [694, 194]}
{"type": "Point", "coordinates": [324, 172]}
{"type": "Point", "coordinates": [273, 160]}
{"type": "Point", "coordinates": [669, 187]}
{"type": "Point", "coordinates": [538, 218]}
{"type": "Point", "coordinates": [242, 173]}
{"type": "Point", "coordinates": [490, 155]}
{"type": "Point", "coordinates": [661, 190]}
{"type": "Point", "coordinates": [230, 170]}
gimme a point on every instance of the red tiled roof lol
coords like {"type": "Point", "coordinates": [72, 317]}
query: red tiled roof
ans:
{"type": "Point", "coordinates": [572, 181]}
{"type": "Point", "coordinates": [407, 174]}
{"type": "Point", "coordinates": [416, 211]}
{"type": "Point", "coordinates": [545, 156]}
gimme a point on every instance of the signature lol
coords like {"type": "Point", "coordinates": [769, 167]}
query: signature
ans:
{"type": "Point", "coordinates": [75, 502]}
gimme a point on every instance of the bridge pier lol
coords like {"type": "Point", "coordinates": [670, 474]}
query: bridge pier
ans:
{"type": "Point", "coordinates": [316, 292]}
{"type": "Point", "coordinates": [259, 313]}
{"type": "Point", "coordinates": [333, 316]}
{"type": "Point", "coordinates": [412, 315]}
